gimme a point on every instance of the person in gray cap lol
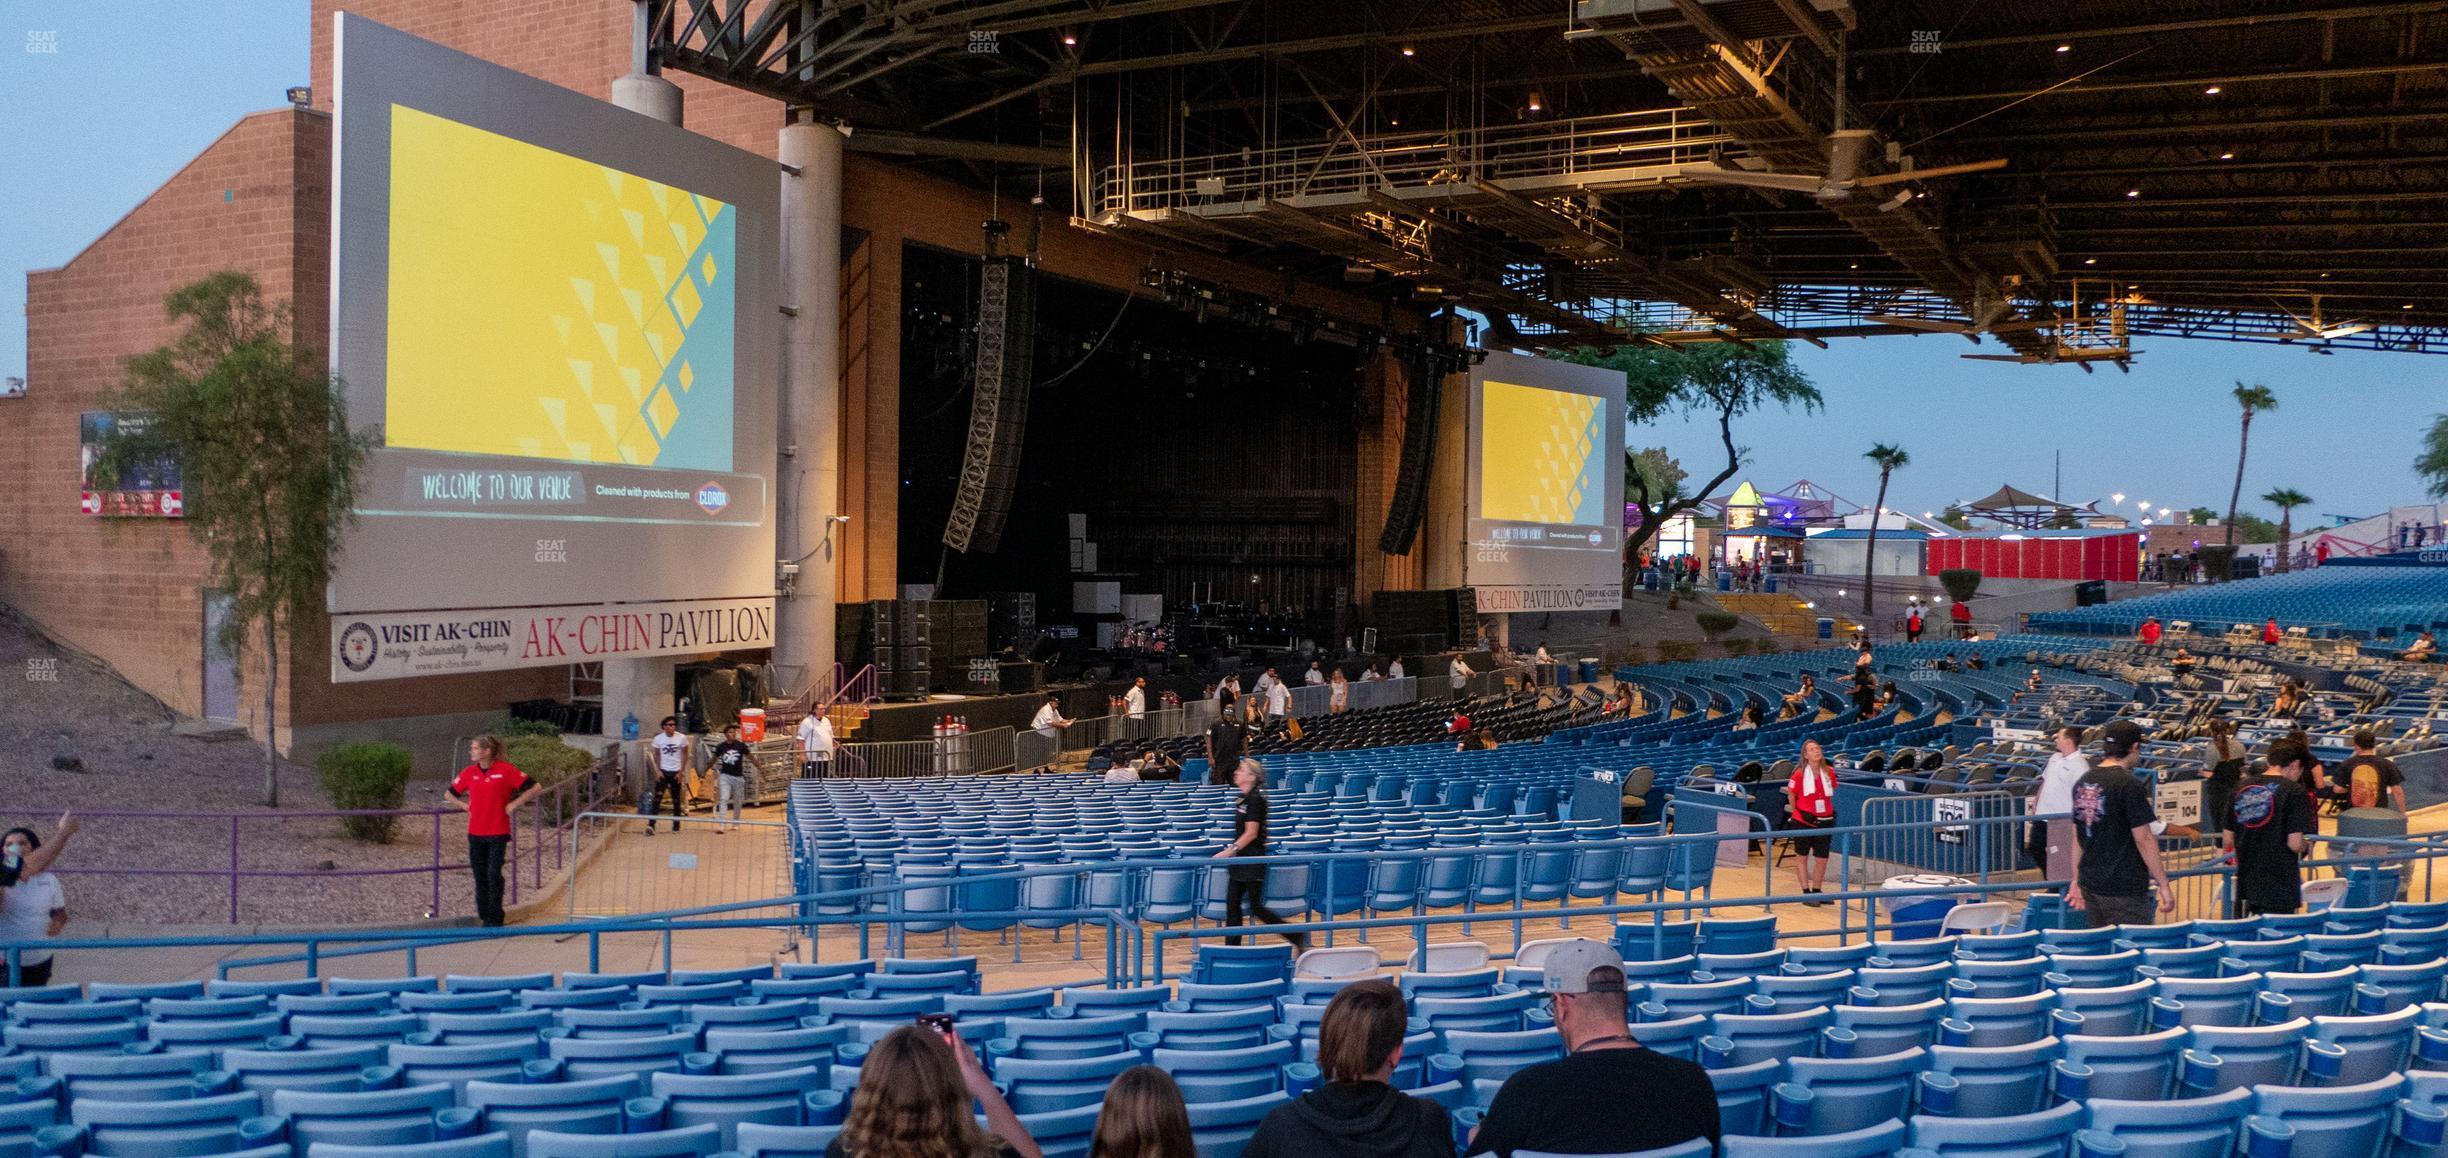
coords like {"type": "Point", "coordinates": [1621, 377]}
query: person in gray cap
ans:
{"type": "Point", "coordinates": [2116, 841]}
{"type": "Point", "coordinates": [1609, 1094]}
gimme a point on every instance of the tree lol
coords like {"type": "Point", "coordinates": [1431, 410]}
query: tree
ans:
{"type": "Point", "coordinates": [1888, 459]}
{"type": "Point", "coordinates": [2202, 516]}
{"type": "Point", "coordinates": [2432, 463]}
{"type": "Point", "coordinates": [2286, 499]}
{"type": "Point", "coordinates": [1652, 480]}
{"type": "Point", "coordinates": [1730, 379]}
{"type": "Point", "coordinates": [2253, 399]}
{"type": "Point", "coordinates": [1956, 518]}
{"type": "Point", "coordinates": [270, 469]}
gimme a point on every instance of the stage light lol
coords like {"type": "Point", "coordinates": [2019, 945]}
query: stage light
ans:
{"type": "Point", "coordinates": [2065, 48]}
{"type": "Point", "coordinates": [2090, 261]}
{"type": "Point", "coordinates": [2407, 306]}
{"type": "Point", "coordinates": [2117, 497]}
{"type": "Point", "coordinates": [2226, 156]}
{"type": "Point", "coordinates": [2213, 90]}
{"type": "Point", "coordinates": [1408, 50]}
{"type": "Point", "coordinates": [1070, 40]}
{"type": "Point", "coordinates": [2133, 193]}
{"type": "Point", "coordinates": [1535, 103]}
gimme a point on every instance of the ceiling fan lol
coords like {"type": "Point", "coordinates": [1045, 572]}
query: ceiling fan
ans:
{"type": "Point", "coordinates": [1845, 149]}
{"type": "Point", "coordinates": [2311, 327]}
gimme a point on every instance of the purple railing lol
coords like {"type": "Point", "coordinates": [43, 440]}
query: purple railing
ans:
{"type": "Point", "coordinates": [126, 843]}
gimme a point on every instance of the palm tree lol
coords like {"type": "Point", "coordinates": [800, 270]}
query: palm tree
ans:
{"type": "Point", "coordinates": [2432, 464]}
{"type": "Point", "coordinates": [1888, 459]}
{"type": "Point", "coordinates": [2286, 499]}
{"type": "Point", "coordinates": [2251, 398]}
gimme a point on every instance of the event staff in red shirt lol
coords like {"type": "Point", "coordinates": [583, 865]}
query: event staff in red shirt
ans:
{"type": "Point", "coordinates": [1961, 614]}
{"type": "Point", "coordinates": [2269, 632]}
{"type": "Point", "coordinates": [2150, 632]}
{"type": "Point", "coordinates": [489, 789]}
{"type": "Point", "coordinates": [1810, 803]}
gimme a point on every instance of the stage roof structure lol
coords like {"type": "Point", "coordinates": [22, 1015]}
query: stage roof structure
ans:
{"type": "Point", "coordinates": [2052, 182]}
{"type": "Point", "coordinates": [2016, 508]}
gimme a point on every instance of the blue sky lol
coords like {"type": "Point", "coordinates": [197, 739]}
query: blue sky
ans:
{"type": "Point", "coordinates": [136, 89]}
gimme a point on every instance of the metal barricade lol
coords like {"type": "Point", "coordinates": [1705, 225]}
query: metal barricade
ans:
{"type": "Point", "coordinates": [954, 754]}
{"type": "Point", "coordinates": [1032, 750]}
{"type": "Point", "coordinates": [619, 871]}
{"type": "Point", "coordinates": [1937, 836]}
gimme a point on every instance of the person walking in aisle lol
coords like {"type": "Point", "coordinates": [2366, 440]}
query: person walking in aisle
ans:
{"type": "Point", "coordinates": [1278, 697]}
{"type": "Point", "coordinates": [2267, 825]}
{"type": "Point", "coordinates": [1225, 738]}
{"type": "Point", "coordinates": [2226, 772]}
{"type": "Point", "coordinates": [489, 789]}
{"type": "Point", "coordinates": [1245, 884]}
{"type": "Point", "coordinates": [2055, 796]}
{"type": "Point", "coordinates": [732, 762]}
{"type": "Point", "coordinates": [667, 761]}
{"type": "Point", "coordinates": [2371, 779]}
{"type": "Point", "coordinates": [1810, 804]}
{"type": "Point", "coordinates": [2116, 841]}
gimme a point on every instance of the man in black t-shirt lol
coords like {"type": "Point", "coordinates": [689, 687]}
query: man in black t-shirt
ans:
{"type": "Point", "coordinates": [2367, 778]}
{"type": "Point", "coordinates": [2116, 851]}
{"type": "Point", "coordinates": [1245, 884]}
{"type": "Point", "coordinates": [1609, 1094]}
{"type": "Point", "coordinates": [732, 762]}
{"type": "Point", "coordinates": [2267, 825]}
{"type": "Point", "coordinates": [1224, 739]}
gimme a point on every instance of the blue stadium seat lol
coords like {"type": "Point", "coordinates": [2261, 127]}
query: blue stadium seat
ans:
{"type": "Point", "coordinates": [1988, 1082]}
{"type": "Point", "coordinates": [472, 1146]}
{"type": "Point", "coordinates": [1497, 1056]}
{"type": "Point", "coordinates": [2335, 1121]}
{"type": "Point", "coordinates": [1840, 1095]}
{"type": "Point", "coordinates": [1231, 1029]}
{"type": "Point", "coordinates": [1743, 1095]}
{"type": "Point", "coordinates": [485, 1028]}
{"type": "Point", "coordinates": [686, 1142]}
{"type": "Point", "coordinates": [393, 1117]}
{"type": "Point", "coordinates": [1871, 1142]}
{"type": "Point", "coordinates": [2291, 995]}
{"type": "Point", "coordinates": [1997, 1021]}
{"type": "Point", "coordinates": [382, 985]}
{"type": "Point", "coordinates": [2094, 971]}
{"type": "Point", "coordinates": [1878, 1030]}
{"type": "Point", "coordinates": [481, 1001]}
{"type": "Point", "coordinates": [1240, 964]}
{"type": "Point", "coordinates": [591, 1106]}
{"type": "Point", "coordinates": [1990, 979]}
{"type": "Point", "coordinates": [749, 1051]}
{"type": "Point", "coordinates": [632, 1020]}
{"type": "Point", "coordinates": [584, 1058]}
{"type": "Point", "coordinates": [1039, 1085]}
{"type": "Point", "coordinates": [1827, 958]}
{"type": "Point", "coordinates": [757, 1140]}
{"type": "Point", "coordinates": [166, 1129]}
{"type": "Point", "coordinates": [1223, 1075]}
{"type": "Point", "coordinates": [223, 1033]}
{"type": "Point", "coordinates": [2403, 985]}
{"type": "Point", "coordinates": [1053, 1039]}
{"type": "Point", "coordinates": [318, 1031]}
{"type": "Point", "coordinates": [2267, 955]}
{"type": "Point", "coordinates": [2045, 1134]}
{"type": "Point", "coordinates": [2347, 1051]}
{"type": "Point", "coordinates": [101, 1037]}
{"type": "Point", "coordinates": [1098, 1001]}
{"type": "Point", "coordinates": [1740, 1039]}
{"type": "Point", "coordinates": [2250, 1055]}
{"type": "Point", "coordinates": [137, 1077]}
{"type": "Point", "coordinates": [457, 1065]}
{"type": "Point", "coordinates": [2189, 1128]}
{"type": "Point", "coordinates": [726, 1101]}
{"type": "Point", "coordinates": [2112, 1011]}
{"type": "Point", "coordinates": [1906, 985]}
{"type": "Point", "coordinates": [1221, 1129]}
{"type": "Point", "coordinates": [1193, 997]}
{"type": "Point", "coordinates": [2141, 1067]}
{"type": "Point", "coordinates": [1796, 990]}
{"type": "Point", "coordinates": [329, 1070]}
{"type": "Point", "coordinates": [2191, 1001]}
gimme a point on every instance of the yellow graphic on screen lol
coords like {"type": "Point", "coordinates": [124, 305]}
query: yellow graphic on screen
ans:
{"type": "Point", "coordinates": [1536, 451]}
{"type": "Point", "coordinates": [544, 306]}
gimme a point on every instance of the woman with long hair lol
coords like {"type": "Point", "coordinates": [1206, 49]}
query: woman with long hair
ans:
{"type": "Point", "coordinates": [913, 1101]}
{"type": "Point", "coordinates": [1810, 804]}
{"type": "Point", "coordinates": [1358, 1113]}
{"type": "Point", "coordinates": [1143, 1117]}
{"type": "Point", "coordinates": [2226, 773]}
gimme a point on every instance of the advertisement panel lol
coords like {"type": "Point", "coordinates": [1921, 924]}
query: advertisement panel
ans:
{"type": "Point", "coordinates": [150, 489]}
{"type": "Point", "coordinates": [558, 316]}
{"type": "Point", "coordinates": [1544, 507]}
{"type": "Point", "coordinates": [382, 647]}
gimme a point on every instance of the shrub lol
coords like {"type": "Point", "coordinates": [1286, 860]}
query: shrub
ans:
{"type": "Point", "coordinates": [366, 775]}
{"type": "Point", "coordinates": [1737, 646]}
{"type": "Point", "coordinates": [1677, 650]}
{"type": "Point", "coordinates": [1769, 646]}
{"type": "Point", "coordinates": [1716, 623]}
{"type": "Point", "coordinates": [548, 762]}
{"type": "Point", "coordinates": [1961, 583]}
{"type": "Point", "coordinates": [512, 726]}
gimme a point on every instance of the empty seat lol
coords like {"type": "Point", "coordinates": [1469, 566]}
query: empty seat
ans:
{"type": "Point", "coordinates": [2346, 1051]}
{"type": "Point", "coordinates": [140, 1077]}
{"type": "Point", "coordinates": [2291, 995]}
{"type": "Point", "coordinates": [394, 1117]}
{"type": "Point", "coordinates": [2045, 1134]}
{"type": "Point", "coordinates": [2141, 1066]}
{"type": "Point", "coordinates": [2334, 1121]}
{"type": "Point", "coordinates": [2246, 1055]}
{"type": "Point", "coordinates": [757, 1140]}
{"type": "Point", "coordinates": [1223, 1075]}
{"type": "Point", "coordinates": [1221, 1128]}
{"type": "Point", "coordinates": [163, 1129]}
{"type": "Point", "coordinates": [1870, 1142]}
{"type": "Point", "coordinates": [686, 1142]}
{"type": "Point", "coordinates": [1740, 1039]}
{"type": "Point", "coordinates": [748, 1051]}
{"type": "Point", "coordinates": [2187, 1128]}
{"type": "Point", "coordinates": [1878, 1030]}
{"type": "Point", "coordinates": [607, 1057]}
{"type": "Point", "coordinates": [725, 1101]}
{"type": "Point", "coordinates": [1059, 1038]}
{"type": "Point", "coordinates": [1040, 1085]}
{"type": "Point", "coordinates": [2112, 1011]}
{"type": "Point", "coordinates": [1846, 1094]}
{"type": "Point", "coordinates": [2192, 1001]}
{"type": "Point", "coordinates": [1988, 1082]}
{"type": "Point", "coordinates": [592, 1106]}
{"type": "Point", "coordinates": [493, 1145]}
{"type": "Point", "coordinates": [1994, 1021]}
{"type": "Point", "coordinates": [266, 1070]}
{"type": "Point", "coordinates": [457, 1065]}
{"type": "Point", "coordinates": [1496, 1056]}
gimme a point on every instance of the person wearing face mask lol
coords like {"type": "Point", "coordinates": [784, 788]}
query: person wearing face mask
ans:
{"type": "Point", "coordinates": [32, 905]}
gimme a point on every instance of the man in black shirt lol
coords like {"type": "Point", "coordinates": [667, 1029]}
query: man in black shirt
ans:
{"type": "Point", "coordinates": [2370, 780]}
{"type": "Point", "coordinates": [732, 762]}
{"type": "Point", "coordinates": [1245, 884]}
{"type": "Point", "coordinates": [2267, 825]}
{"type": "Point", "coordinates": [1223, 742]}
{"type": "Point", "coordinates": [2116, 851]}
{"type": "Point", "coordinates": [1609, 1094]}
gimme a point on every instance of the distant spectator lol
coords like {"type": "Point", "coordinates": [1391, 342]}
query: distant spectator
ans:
{"type": "Point", "coordinates": [1143, 1117]}
{"type": "Point", "coordinates": [1947, 663]}
{"type": "Point", "coordinates": [1608, 1094]}
{"type": "Point", "coordinates": [815, 744]}
{"type": "Point", "coordinates": [2368, 777]}
{"type": "Point", "coordinates": [2421, 650]}
{"type": "Point", "coordinates": [1338, 692]}
{"type": "Point", "coordinates": [2270, 633]}
{"type": "Point", "coordinates": [1912, 624]}
{"type": "Point", "coordinates": [1315, 676]}
{"type": "Point", "coordinates": [1050, 721]}
{"type": "Point", "coordinates": [1134, 701]}
{"type": "Point", "coordinates": [1224, 744]}
{"type": "Point", "coordinates": [1372, 675]}
{"type": "Point", "coordinates": [1357, 1113]}
{"type": "Point", "coordinates": [913, 1101]}
{"type": "Point", "coordinates": [2267, 826]}
{"type": "Point", "coordinates": [1394, 668]}
{"type": "Point", "coordinates": [1865, 698]}
{"type": "Point", "coordinates": [1461, 672]}
{"type": "Point", "coordinates": [2291, 698]}
{"type": "Point", "coordinates": [2320, 552]}
{"type": "Point", "coordinates": [1961, 613]}
{"type": "Point", "coordinates": [2031, 683]}
{"type": "Point", "coordinates": [1278, 696]}
{"type": "Point", "coordinates": [1157, 764]}
{"type": "Point", "coordinates": [2150, 632]}
{"type": "Point", "coordinates": [2054, 795]}
{"type": "Point", "coordinates": [1974, 662]}
{"type": "Point", "coordinates": [2116, 847]}
{"type": "Point", "coordinates": [1803, 698]}
{"type": "Point", "coordinates": [1245, 883]}
{"type": "Point", "coordinates": [1750, 720]}
{"type": "Point", "coordinates": [2183, 663]}
{"type": "Point", "coordinates": [33, 907]}
{"type": "Point", "coordinates": [1810, 804]}
{"type": "Point", "coordinates": [668, 762]}
{"type": "Point", "coordinates": [2226, 772]}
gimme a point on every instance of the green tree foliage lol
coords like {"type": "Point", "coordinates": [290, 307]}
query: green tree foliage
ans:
{"type": "Point", "coordinates": [1715, 623]}
{"type": "Point", "coordinates": [1888, 459]}
{"type": "Point", "coordinates": [2432, 463]}
{"type": "Point", "coordinates": [1724, 379]}
{"type": "Point", "coordinates": [2286, 499]}
{"type": "Point", "coordinates": [270, 467]}
{"type": "Point", "coordinates": [366, 775]}
{"type": "Point", "coordinates": [2253, 399]}
{"type": "Point", "coordinates": [1961, 583]}
{"type": "Point", "coordinates": [1956, 518]}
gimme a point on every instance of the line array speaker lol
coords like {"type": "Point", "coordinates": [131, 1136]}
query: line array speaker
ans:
{"type": "Point", "coordinates": [1410, 500]}
{"type": "Point", "coordinates": [998, 405]}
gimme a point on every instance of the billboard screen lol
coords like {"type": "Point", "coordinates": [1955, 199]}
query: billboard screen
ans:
{"type": "Point", "coordinates": [148, 489]}
{"type": "Point", "coordinates": [557, 316]}
{"type": "Point", "coordinates": [1545, 485]}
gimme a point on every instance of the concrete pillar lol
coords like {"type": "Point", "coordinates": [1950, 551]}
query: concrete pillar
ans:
{"type": "Point", "coordinates": [808, 482]}
{"type": "Point", "coordinates": [640, 687]}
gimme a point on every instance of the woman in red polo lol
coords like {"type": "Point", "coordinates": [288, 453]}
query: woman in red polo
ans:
{"type": "Point", "coordinates": [1810, 804]}
{"type": "Point", "coordinates": [489, 789]}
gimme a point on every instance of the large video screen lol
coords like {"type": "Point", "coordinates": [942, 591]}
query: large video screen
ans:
{"type": "Point", "coordinates": [1545, 504]}
{"type": "Point", "coordinates": [556, 318]}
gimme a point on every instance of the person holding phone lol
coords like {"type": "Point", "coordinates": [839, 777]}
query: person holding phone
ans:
{"type": "Point", "coordinates": [913, 1101]}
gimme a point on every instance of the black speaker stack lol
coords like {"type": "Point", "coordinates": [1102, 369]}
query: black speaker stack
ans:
{"type": "Point", "coordinates": [959, 627]}
{"type": "Point", "coordinates": [904, 645]}
{"type": "Point", "coordinates": [1425, 622]}
{"type": "Point", "coordinates": [1000, 377]}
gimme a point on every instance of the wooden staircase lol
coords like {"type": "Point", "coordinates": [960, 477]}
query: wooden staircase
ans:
{"type": "Point", "coordinates": [1785, 616]}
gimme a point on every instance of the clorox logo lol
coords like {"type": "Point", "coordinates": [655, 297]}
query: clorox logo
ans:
{"type": "Point", "coordinates": [713, 498]}
{"type": "Point", "coordinates": [1596, 537]}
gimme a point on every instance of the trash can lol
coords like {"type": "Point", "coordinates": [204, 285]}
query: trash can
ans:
{"type": "Point", "coordinates": [1917, 918]}
{"type": "Point", "coordinates": [1649, 579]}
{"type": "Point", "coordinates": [1589, 671]}
{"type": "Point", "coordinates": [1772, 585]}
{"type": "Point", "coordinates": [1725, 581]}
{"type": "Point", "coordinates": [1827, 628]}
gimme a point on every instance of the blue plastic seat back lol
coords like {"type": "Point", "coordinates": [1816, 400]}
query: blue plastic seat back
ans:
{"type": "Point", "coordinates": [1498, 1056]}
{"type": "Point", "coordinates": [725, 1101]}
{"type": "Point", "coordinates": [685, 1142]}
{"type": "Point", "coordinates": [2220, 1001]}
{"type": "Point", "coordinates": [1224, 1075]}
{"type": "Point", "coordinates": [1907, 985]}
{"type": "Point", "coordinates": [1879, 1030]}
{"type": "Point", "coordinates": [1994, 1082]}
{"type": "Point", "coordinates": [458, 1065]}
{"type": "Point", "coordinates": [1848, 1094]}
{"type": "Point", "coordinates": [2095, 970]}
{"type": "Point", "coordinates": [265, 1071]}
{"type": "Point", "coordinates": [1871, 1142]}
{"type": "Point", "coordinates": [2336, 1121]}
{"type": "Point", "coordinates": [401, 1116]}
{"type": "Point", "coordinates": [164, 1129]}
{"type": "Point", "coordinates": [1241, 964]}
{"type": "Point", "coordinates": [757, 1140]}
{"type": "Point", "coordinates": [2365, 1048]}
{"type": "Point", "coordinates": [487, 1145]}
{"type": "Point", "coordinates": [1739, 1039]}
{"type": "Point", "coordinates": [2185, 1128]}
{"type": "Point", "coordinates": [1221, 1129]}
{"type": "Point", "coordinates": [2112, 1011]}
{"type": "Point", "coordinates": [1999, 978]}
{"type": "Point", "coordinates": [2141, 1067]}
{"type": "Point", "coordinates": [592, 1105]}
{"type": "Point", "coordinates": [2045, 1134]}
{"type": "Point", "coordinates": [1742, 1095]}
{"type": "Point", "coordinates": [2325, 994]}
{"type": "Point", "coordinates": [2250, 1055]}
{"type": "Point", "coordinates": [1037, 1086]}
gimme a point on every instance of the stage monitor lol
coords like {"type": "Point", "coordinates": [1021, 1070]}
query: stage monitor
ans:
{"type": "Point", "coordinates": [556, 318]}
{"type": "Point", "coordinates": [1545, 503]}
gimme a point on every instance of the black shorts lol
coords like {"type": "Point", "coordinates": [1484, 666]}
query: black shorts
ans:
{"type": "Point", "coordinates": [1806, 845]}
